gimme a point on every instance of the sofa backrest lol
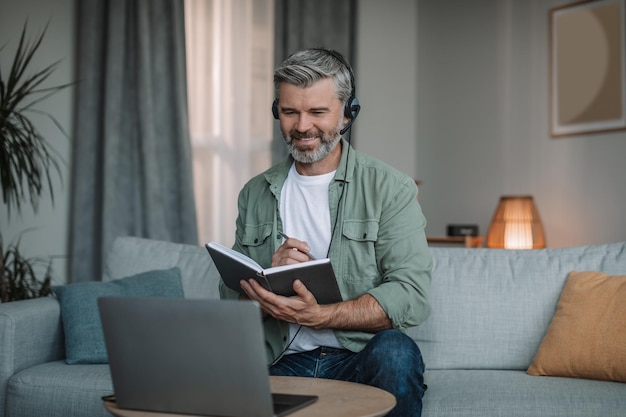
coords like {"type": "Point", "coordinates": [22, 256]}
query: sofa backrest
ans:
{"type": "Point", "coordinates": [132, 255]}
{"type": "Point", "coordinates": [491, 307]}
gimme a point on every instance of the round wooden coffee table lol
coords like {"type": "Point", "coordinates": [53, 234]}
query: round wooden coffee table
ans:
{"type": "Point", "coordinates": [336, 398]}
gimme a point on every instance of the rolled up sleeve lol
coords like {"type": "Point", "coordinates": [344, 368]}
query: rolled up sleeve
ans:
{"type": "Point", "coordinates": [404, 261]}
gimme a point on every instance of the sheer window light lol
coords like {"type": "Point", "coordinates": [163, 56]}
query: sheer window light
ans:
{"type": "Point", "coordinates": [230, 49]}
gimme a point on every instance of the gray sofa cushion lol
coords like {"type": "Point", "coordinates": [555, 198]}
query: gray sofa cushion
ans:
{"type": "Point", "coordinates": [55, 389]}
{"type": "Point", "coordinates": [30, 333]}
{"type": "Point", "coordinates": [132, 255]}
{"type": "Point", "coordinates": [467, 331]}
{"type": "Point", "coordinates": [479, 393]}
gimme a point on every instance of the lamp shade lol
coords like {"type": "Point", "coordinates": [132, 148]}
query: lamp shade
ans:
{"type": "Point", "coordinates": [516, 225]}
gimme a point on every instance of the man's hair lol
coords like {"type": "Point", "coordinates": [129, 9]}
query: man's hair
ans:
{"type": "Point", "coordinates": [303, 68]}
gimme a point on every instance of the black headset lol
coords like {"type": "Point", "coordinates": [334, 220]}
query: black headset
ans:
{"type": "Point", "coordinates": [352, 107]}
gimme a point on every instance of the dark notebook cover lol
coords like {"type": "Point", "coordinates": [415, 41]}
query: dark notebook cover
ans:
{"type": "Point", "coordinates": [318, 275]}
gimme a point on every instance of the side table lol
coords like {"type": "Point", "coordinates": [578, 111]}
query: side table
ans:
{"type": "Point", "coordinates": [336, 398]}
{"type": "Point", "coordinates": [467, 241]}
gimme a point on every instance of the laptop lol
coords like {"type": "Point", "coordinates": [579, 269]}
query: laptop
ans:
{"type": "Point", "coordinates": [191, 356]}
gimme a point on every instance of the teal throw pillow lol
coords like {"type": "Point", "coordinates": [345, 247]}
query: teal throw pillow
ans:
{"type": "Point", "coordinates": [84, 340]}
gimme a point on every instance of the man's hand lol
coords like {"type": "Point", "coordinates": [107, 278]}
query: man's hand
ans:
{"type": "Point", "coordinates": [363, 313]}
{"type": "Point", "coordinates": [290, 252]}
{"type": "Point", "coordinates": [301, 308]}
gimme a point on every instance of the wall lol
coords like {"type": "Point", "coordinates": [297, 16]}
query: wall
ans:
{"type": "Point", "coordinates": [44, 233]}
{"type": "Point", "coordinates": [386, 81]}
{"type": "Point", "coordinates": [482, 126]}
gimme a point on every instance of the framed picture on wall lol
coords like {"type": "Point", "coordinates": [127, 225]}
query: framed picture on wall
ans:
{"type": "Point", "coordinates": [587, 67]}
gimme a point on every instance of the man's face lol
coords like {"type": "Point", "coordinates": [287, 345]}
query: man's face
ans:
{"type": "Point", "coordinates": [310, 119]}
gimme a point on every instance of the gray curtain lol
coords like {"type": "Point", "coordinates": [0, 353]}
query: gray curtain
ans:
{"type": "Point", "coordinates": [131, 154]}
{"type": "Point", "coordinates": [309, 24]}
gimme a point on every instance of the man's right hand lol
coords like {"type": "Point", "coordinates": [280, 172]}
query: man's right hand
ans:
{"type": "Point", "coordinates": [292, 251]}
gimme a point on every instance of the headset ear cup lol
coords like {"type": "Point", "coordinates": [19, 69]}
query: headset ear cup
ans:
{"type": "Point", "coordinates": [275, 109]}
{"type": "Point", "coordinates": [352, 108]}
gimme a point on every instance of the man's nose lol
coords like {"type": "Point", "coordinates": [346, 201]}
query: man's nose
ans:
{"type": "Point", "coordinates": [304, 123]}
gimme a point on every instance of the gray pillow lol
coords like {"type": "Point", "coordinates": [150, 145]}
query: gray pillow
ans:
{"type": "Point", "coordinates": [84, 340]}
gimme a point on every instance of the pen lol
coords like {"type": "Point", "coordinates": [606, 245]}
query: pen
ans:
{"type": "Point", "coordinates": [287, 237]}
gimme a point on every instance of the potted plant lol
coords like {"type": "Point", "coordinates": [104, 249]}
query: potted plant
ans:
{"type": "Point", "coordinates": [27, 163]}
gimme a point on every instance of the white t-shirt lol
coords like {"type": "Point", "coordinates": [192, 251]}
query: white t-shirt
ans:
{"type": "Point", "coordinates": [306, 216]}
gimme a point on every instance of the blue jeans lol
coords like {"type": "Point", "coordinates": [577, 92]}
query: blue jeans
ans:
{"type": "Point", "coordinates": [391, 361]}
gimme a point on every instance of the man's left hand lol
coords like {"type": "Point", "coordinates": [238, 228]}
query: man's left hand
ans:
{"type": "Point", "coordinates": [301, 308]}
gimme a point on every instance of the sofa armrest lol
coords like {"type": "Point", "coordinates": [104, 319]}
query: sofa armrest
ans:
{"type": "Point", "coordinates": [30, 333]}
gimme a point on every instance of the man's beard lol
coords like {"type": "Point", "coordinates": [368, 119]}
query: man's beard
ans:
{"type": "Point", "coordinates": [309, 154]}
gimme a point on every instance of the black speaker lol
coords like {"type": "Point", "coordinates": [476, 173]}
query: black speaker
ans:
{"type": "Point", "coordinates": [462, 230]}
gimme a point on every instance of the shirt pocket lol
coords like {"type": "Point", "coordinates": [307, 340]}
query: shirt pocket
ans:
{"type": "Point", "coordinates": [255, 235]}
{"type": "Point", "coordinates": [359, 251]}
{"type": "Point", "coordinates": [257, 243]}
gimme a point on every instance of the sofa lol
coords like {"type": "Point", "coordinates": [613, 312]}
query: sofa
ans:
{"type": "Point", "coordinates": [492, 310]}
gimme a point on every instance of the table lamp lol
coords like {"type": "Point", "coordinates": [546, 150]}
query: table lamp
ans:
{"type": "Point", "coordinates": [516, 225]}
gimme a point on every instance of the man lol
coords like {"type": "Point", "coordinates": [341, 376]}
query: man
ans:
{"type": "Point", "coordinates": [362, 214]}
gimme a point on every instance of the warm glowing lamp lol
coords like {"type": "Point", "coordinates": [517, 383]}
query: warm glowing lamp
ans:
{"type": "Point", "coordinates": [516, 225]}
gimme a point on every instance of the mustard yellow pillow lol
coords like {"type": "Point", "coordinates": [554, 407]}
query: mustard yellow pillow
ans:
{"type": "Point", "coordinates": [587, 335]}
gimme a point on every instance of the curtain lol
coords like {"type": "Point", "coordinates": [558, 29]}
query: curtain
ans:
{"type": "Point", "coordinates": [310, 24]}
{"type": "Point", "coordinates": [229, 67]}
{"type": "Point", "coordinates": [131, 156]}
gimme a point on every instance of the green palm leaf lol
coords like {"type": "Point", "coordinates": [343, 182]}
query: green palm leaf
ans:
{"type": "Point", "coordinates": [27, 161]}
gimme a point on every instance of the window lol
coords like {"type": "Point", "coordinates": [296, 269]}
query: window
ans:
{"type": "Point", "coordinates": [230, 49]}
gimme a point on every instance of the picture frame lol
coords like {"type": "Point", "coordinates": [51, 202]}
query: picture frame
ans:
{"type": "Point", "coordinates": [587, 67]}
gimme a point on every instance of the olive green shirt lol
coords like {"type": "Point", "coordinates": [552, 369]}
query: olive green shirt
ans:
{"type": "Point", "coordinates": [378, 246]}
